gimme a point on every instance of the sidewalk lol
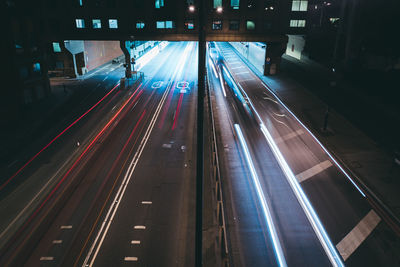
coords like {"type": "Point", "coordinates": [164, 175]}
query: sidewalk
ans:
{"type": "Point", "coordinates": [367, 159]}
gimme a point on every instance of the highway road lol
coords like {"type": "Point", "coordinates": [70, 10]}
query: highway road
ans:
{"type": "Point", "coordinates": [114, 182]}
{"type": "Point", "coordinates": [312, 200]}
{"type": "Point", "coordinates": [126, 193]}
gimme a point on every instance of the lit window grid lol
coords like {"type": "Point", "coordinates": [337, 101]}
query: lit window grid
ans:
{"type": "Point", "coordinates": [113, 23]}
{"type": "Point", "coordinates": [96, 23]}
{"type": "Point", "coordinates": [297, 23]}
{"type": "Point", "coordinates": [80, 23]}
{"type": "Point", "coordinates": [299, 5]}
{"type": "Point", "coordinates": [165, 24]}
{"type": "Point", "coordinates": [189, 25]}
{"type": "Point", "coordinates": [140, 25]}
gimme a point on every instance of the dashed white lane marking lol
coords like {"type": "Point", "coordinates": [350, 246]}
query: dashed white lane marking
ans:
{"type": "Point", "coordinates": [66, 227]}
{"type": "Point", "coordinates": [246, 80]}
{"type": "Point", "coordinates": [139, 227]}
{"type": "Point", "coordinates": [237, 68]}
{"type": "Point", "coordinates": [57, 241]}
{"type": "Point", "coordinates": [135, 242]}
{"type": "Point", "coordinates": [353, 240]}
{"type": "Point", "coordinates": [46, 258]}
{"type": "Point", "coordinates": [313, 171]}
{"type": "Point", "coordinates": [147, 202]}
{"type": "Point", "coordinates": [131, 259]}
{"type": "Point", "coordinates": [289, 136]}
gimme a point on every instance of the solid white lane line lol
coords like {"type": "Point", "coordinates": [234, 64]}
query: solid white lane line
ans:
{"type": "Point", "coordinates": [135, 242]}
{"type": "Point", "coordinates": [46, 258]}
{"type": "Point", "coordinates": [66, 227]}
{"type": "Point", "coordinates": [57, 241]}
{"type": "Point", "coordinates": [131, 258]}
{"type": "Point", "coordinates": [237, 68]}
{"type": "Point", "coordinates": [313, 171]}
{"type": "Point", "coordinates": [289, 136]}
{"type": "Point", "coordinates": [147, 202]}
{"type": "Point", "coordinates": [353, 240]}
{"type": "Point", "coordinates": [139, 227]}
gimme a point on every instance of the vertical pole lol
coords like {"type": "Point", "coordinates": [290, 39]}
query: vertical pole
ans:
{"type": "Point", "coordinates": [75, 68]}
{"type": "Point", "coordinates": [200, 137]}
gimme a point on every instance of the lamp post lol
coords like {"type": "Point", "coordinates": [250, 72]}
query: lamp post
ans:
{"type": "Point", "coordinates": [200, 135]}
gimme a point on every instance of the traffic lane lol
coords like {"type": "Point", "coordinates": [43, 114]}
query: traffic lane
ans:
{"type": "Point", "coordinates": [43, 172]}
{"type": "Point", "coordinates": [89, 178]}
{"type": "Point", "coordinates": [84, 96]}
{"type": "Point", "coordinates": [164, 176]}
{"type": "Point", "coordinates": [152, 83]}
{"type": "Point", "coordinates": [252, 86]}
{"type": "Point", "coordinates": [161, 197]}
{"type": "Point", "coordinates": [154, 101]}
{"type": "Point", "coordinates": [373, 240]}
{"type": "Point", "coordinates": [297, 237]}
{"type": "Point", "coordinates": [325, 185]}
{"type": "Point", "coordinates": [249, 244]}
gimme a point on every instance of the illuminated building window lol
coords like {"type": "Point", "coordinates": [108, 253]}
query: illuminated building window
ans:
{"type": "Point", "coordinates": [299, 23]}
{"type": "Point", "coordinates": [56, 47]}
{"type": "Point", "coordinates": [140, 25]}
{"type": "Point", "coordinates": [234, 25]}
{"type": "Point", "coordinates": [160, 24]}
{"type": "Point", "coordinates": [165, 24]}
{"type": "Point", "coordinates": [80, 23]}
{"type": "Point", "coordinates": [217, 3]}
{"type": "Point", "coordinates": [299, 5]}
{"type": "Point", "coordinates": [169, 24]}
{"type": "Point", "coordinates": [80, 2]}
{"type": "Point", "coordinates": [250, 25]}
{"type": "Point", "coordinates": [189, 24]}
{"type": "Point", "coordinates": [159, 3]}
{"type": "Point", "coordinates": [235, 4]}
{"type": "Point", "coordinates": [96, 24]}
{"type": "Point", "coordinates": [113, 24]}
{"type": "Point", "coordinates": [217, 25]}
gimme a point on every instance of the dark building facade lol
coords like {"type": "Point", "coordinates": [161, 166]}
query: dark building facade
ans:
{"type": "Point", "coordinates": [34, 26]}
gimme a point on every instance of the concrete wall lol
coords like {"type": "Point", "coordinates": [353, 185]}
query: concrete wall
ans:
{"type": "Point", "coordinates": [295, 46]}
{"type": "Point", "coordinates": [253, 52]}
{"type": "Point", "coordinates": [98, 53]}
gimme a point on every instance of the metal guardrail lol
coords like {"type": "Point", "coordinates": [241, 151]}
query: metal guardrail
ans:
{"type": "Point", "coordinates": [220, 212]}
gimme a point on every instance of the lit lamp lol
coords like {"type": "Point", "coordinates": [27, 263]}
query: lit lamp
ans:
{"type": "Point", "coordinates": [219, 9]}
{"type": "Point", "coordinates": [191, 8]}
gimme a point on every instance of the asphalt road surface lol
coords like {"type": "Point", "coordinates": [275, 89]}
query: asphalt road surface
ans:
{"type": "Point", "coordinates": [308, 193]}
{"type": "Point", "coordinates": [127, 195]}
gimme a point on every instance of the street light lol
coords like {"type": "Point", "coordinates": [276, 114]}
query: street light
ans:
{"type": "Point", "coordinates": [191, 8]}
{"type": "Point", "coordinates": [219, 9]}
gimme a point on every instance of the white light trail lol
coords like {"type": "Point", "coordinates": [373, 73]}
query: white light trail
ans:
{"type": "Point", "coordinates": [312, 216]}
{"type": "Point", "coordinates": [267, 213]}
